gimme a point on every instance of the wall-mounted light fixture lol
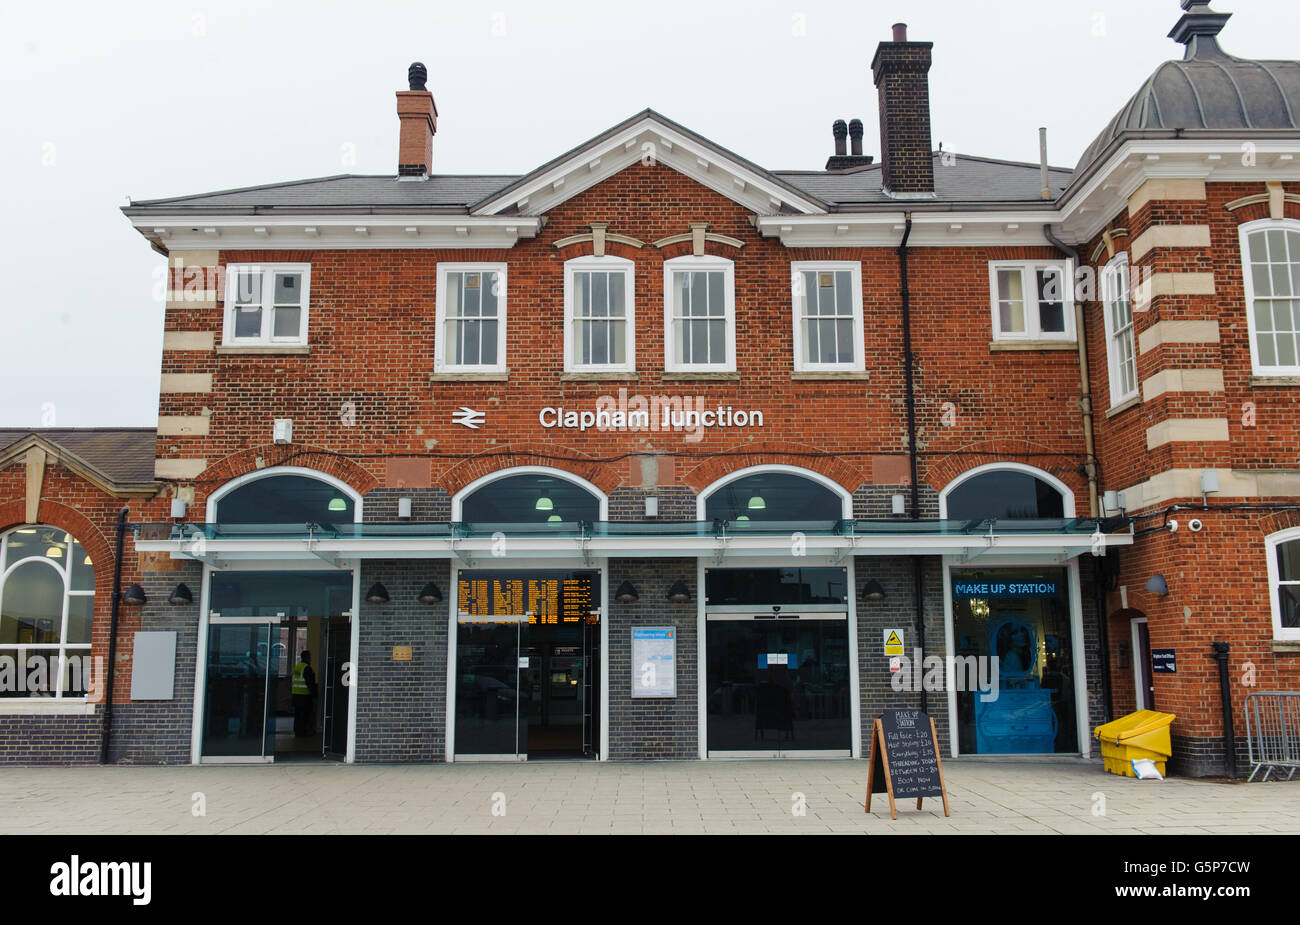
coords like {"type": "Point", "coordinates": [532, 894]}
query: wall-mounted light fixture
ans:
{"type": "Point", "coordinates": [134, 595]}
{"type": "Point", "coordinates": [872, 591]}
{"type": "Point", "coordinates": [430, 594]}
{"type": "Point", "coordinates": [626, 593]}
{"type": "Point", "coordinates": [181, 596]}
{"type": "Point", "coordinates": [1156, 584]}
{"type": "Point", "coordinates": [679, 593]}
{"type": "Point", "coordinates": [377, 594]}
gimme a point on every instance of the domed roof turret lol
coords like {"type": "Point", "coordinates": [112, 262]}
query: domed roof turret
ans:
{"type": "Point", "coordinates": [1209, 93]}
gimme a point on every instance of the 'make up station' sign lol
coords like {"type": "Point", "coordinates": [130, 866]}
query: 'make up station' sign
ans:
{"type": "Point", "coordinates": [905, 759]}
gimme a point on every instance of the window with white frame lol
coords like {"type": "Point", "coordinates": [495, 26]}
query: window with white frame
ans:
{"type": "Point", "coordinates": [1284, 580]}
{"type": "Point", "coordinates": [47, 600]}
{"type": "Point", "coordinates": [1032, 301]}
{"type": "Point", "coordinates": [267, 304]}
{"type": "Point", "coordinates": [827, 316]}
{"type": "Point", "coordinates": [1121, 355]}
{"type": "Point", "coordinates": [471, 318]}
{"type": "Point", "coordinates": [1271, 254]}
{"type": "Point", "coordinates": [700, 314]}
{"type": "Point", "coordinates": [599, 321]}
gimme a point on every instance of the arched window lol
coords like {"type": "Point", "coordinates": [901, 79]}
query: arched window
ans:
{"type": "Point", "coordinates": [529, 497]}
{"type": "Point", "coordinates": [772, 495]}
{"type": "Point", "coordinates": [285, 498]}
{"type": "Point", "coordinates": [1284, 580]}
{"type": "Point", "coordinates": [1006, 492]}
{"type": "Point", "coordinates": [47, 599]}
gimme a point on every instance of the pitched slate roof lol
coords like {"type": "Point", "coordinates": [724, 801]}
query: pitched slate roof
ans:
{"type": "Point", "coordinates": [123, 455]}
{"type": "Point", "coordinates": [958, 178]}
{"type": "Point", "coordinates": [344, 193]}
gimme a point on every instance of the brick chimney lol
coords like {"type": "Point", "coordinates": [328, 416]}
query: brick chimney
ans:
{"type": "Point", "coordinates": [419, 118]}
{"type": "Point", "coordinates": [901, 71]}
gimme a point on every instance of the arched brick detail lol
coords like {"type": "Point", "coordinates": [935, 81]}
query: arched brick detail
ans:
{"type": "Point", "coordinates": [604, 477]}
{"type": "Point", "coordinates": [773, 452]}
{"type": "Point", "coordinates": [1279, 521]}
{"type": "Point", "coordinates": [939, 473]}
{"type": "Point", "coordinates": [687, 248]}
{"type": "Point", "coordinates": [246, 461]}
{"type": "Point", "coordinates": [70, 519]}
{"type": "Point", "coordinates": [612, 249]}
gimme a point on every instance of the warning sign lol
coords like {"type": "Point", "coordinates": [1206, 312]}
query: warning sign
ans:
{"type": "Point", "coordinates": [893, 642]}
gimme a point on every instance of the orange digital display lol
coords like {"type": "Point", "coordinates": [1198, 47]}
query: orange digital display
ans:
{"type": "Point", "coordinates": [544, 597]}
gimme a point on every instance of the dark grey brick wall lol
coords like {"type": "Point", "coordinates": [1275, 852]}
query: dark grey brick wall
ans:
{"type": "Point", "coordinates": [427, 504]}
{"type": "Point", "coordinates": [898, 611]}
{"type": "Point", "coordinates": [50, 740]}
{"type": "Point", "coordinates": [402, 706]}
{"type": "Point", "coordinates": [876, 502]}
{"type": "Point", "coordinates": [1207, 757]}
{"type": "Point", "coordinates": [652, 729]}
{"type": "Point", "coordinates": [1095, 713]}
{"type": "Point", "coordinates": [159, 732]}
{"type": "Point", "coordinates": [675, 503]}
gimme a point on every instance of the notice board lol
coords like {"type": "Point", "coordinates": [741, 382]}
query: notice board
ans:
{"type": "Point", "coordinates": [654, 661]}
{"type": "Point", "coordinates": [904, 760]}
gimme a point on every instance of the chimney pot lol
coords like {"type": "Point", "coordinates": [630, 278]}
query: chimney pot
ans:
{"type": "Point", "coordinates": [855, 135]}
{"type": "Point", "coordinates": [840, 131]}
{"type": "Point", "coordinates": [900, 32]}
{"type": "Point", "coordinates": [417, 74]}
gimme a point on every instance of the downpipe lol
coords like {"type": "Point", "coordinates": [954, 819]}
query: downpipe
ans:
{"type": "Point", "coordinates": [905, 292]}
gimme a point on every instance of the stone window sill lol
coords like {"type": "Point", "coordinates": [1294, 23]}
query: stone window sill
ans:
{"type": "Point", "coordinates": [1016, 346]}
{"type": "Point", "coordinates": [45, 706]}
{"type": "Point", "coordinates": [828, 375]}
{"type": "Point", "coordinates": [700, 376]}
{"type": "Point", "coordinates": [470, 377]}
{"type": "Point", "coordinates": [1124, 406]}
{"type": "Point", "coordinates": [286, 350]}
{"type": "Point", "coordinates": [595, 376]}
{"type": "Point", "coordinates": [1274, 381]}
{"type": "Point", "coordinates": [1286, 646]}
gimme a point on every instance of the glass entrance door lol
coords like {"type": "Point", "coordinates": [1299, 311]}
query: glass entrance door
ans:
{"type": "Point", "coordinates": [491, 716]}
{"type": "Point", "coordinates": [778, 686]}
{"type": "Point", "coordinates": [240, 691]}
{"type": "Point", "coordinates": [338, 649]}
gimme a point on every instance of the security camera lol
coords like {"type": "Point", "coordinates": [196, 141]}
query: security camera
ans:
{"type": "Point", "coordinates": [1173, 526]}
{"type": "Point", "coordinates": [1195, 525]}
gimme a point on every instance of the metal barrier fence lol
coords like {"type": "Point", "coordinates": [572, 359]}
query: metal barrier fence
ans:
{"type": "Point", "coordinates": [1273, 732]}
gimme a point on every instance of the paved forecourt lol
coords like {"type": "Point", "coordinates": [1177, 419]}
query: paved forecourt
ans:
{"type": "Point", "coordinates": [717, 797]}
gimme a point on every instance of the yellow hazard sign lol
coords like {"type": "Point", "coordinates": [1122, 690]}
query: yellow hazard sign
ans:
{"type": "Point", "coordinates": [893, 642]}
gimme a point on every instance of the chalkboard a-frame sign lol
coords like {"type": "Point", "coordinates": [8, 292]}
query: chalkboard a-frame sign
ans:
{"type": "Point", "coordinates": [905, 759]}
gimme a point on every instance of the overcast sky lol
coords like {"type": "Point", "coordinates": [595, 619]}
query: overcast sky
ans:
{"type": "Point", "coordinates": [103, 101]}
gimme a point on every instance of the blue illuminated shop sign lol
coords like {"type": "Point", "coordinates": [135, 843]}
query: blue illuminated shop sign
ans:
{"type": "Point", "coordinates": [1003, 589]}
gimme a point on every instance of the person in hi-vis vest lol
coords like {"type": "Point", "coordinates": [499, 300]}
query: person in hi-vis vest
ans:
{"type": "Point", "coordinates": [304, 696]}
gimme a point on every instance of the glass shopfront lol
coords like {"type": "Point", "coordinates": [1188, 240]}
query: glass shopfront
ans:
{"type": "Point", "coordinates": [1021, 618]}
{"type": "Point", "coordinates": [777, 661]}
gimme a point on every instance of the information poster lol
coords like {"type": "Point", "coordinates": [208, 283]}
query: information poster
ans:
{"type": "Point", "coordinates": [654, 662]}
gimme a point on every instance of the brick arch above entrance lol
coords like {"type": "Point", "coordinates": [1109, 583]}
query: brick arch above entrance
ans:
{"type": "Point", "coordinates": [264, 457]}
{"type": "Point", "coordinates": [771, 452]}
{"type": "Point", "coordinates": [604, 476]}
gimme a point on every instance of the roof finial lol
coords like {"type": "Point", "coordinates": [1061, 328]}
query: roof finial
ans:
{"type": "Point", "coordinates": [1198, 29]}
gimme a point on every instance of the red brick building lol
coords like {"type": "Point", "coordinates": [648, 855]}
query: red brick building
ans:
{"type": "Point", "coordinates": [652, 452]}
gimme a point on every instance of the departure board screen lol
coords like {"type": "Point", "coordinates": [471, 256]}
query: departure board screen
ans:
{"type": "Point", "coordinates": [555, 597]}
